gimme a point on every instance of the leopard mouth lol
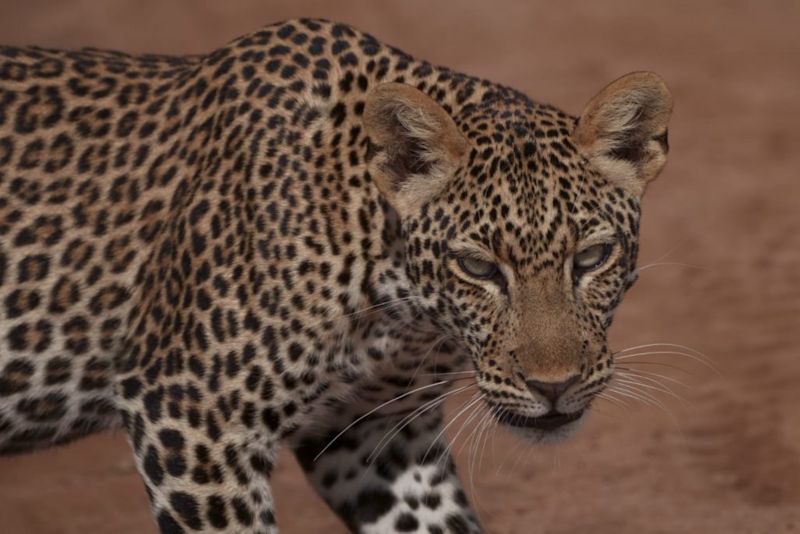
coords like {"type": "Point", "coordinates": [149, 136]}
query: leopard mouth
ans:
{"type": "Point", "coordinates": [547, 422]}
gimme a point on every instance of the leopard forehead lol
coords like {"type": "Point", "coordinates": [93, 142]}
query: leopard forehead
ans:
{"type": "Point", "coordinates": [530, 186]}
{"type": "Point", "coordinates": [524, 192]}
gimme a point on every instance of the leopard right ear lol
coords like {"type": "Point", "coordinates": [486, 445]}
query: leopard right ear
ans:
{"type": "Point", "coordinates": [623, 130]}
{"type": "Point", "coordinates": [418, 145]}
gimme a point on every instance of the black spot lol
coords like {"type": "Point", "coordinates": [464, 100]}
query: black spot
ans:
{"type": "Point", "coordinates": [175, 464]}
{"type": "Point", "coordinates": [338, 114]}
{"type": "Point", "coordinates": [59, 370]}
{"type": "Point", "coordinates": [431, 500]}
{"type": "Point", "coordinates": [406, 523]}
{"type": "Point", "coordinates": [295, 351]}
{"type": "Point", "coordinates": [168, 525]}
{"type": "Point", "coordinates": [152, 467]}
{"type": "Point", "coordinates": [216, 514]}
{"type": "Point", "coordinates": [271, 419]}
{"type": "Point", "coordinates": [457, 524]}
{"type": "Point", "coordinates": [50, 407]}
{"type": "Point", "coordinates": [373, 503]}
{"type": "Point", "coordinates": [243, 513]}
{"type": "Point", "coordinates": [186, 507]}
{"type": "Point", "coordinates": [153, 404]}
{"type": "Point", "coordinates": [261, 464]}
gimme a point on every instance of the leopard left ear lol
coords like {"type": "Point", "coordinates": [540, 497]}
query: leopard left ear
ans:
{"type": "Point", "coordinates": [623, 130]}
{"type": "Point", "coordinates": [418, 145]}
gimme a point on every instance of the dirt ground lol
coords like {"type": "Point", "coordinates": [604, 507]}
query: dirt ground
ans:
{"type": "Point", "coordinates": [721, 228]}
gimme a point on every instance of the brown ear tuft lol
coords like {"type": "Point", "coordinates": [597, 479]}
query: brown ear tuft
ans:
{"type": "Point", "coordinates": [623, 129]}
{"type": "Point", "coordinates": [418, 144]}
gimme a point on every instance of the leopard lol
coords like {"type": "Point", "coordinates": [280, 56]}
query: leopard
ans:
{"type": "Point", "coordinates": [308, 239]}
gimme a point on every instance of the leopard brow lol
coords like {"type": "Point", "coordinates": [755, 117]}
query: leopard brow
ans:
{"type": "Point", "coordinates": [470, 251]}
{"type": "Point", "coordinates": [605, 235]}
{"type": "Point", "coordinates": [467, 251]}
{"type": "Point", "coordinates": [597, 240]}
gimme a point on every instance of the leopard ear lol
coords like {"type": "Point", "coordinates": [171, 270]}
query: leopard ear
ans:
{"type": "Point", "coordinates": [623, 130]}
{"type": "Point", "coordinates": [417, 145]}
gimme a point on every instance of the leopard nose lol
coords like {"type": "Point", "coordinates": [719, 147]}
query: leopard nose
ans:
{"type": "Point", "coordinates": [551, 390]}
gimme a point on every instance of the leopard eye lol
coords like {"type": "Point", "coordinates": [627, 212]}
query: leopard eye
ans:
{"type": "Point", "coordinates": [591, 257]}
{"type": "Point", "coordinates": [478, 268]}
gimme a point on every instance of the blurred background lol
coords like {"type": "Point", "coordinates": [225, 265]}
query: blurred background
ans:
{"type": "Point", "coordinates": [720, 264]}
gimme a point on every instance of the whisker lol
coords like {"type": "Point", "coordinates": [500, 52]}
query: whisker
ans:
{"type": "Point", "coordinates": [642, 373]}
{"type": "Point", "coordinates": [669, 252]}
{"type": "Point", "coordinates": [449, 446]}
{"type": "Point", "coordinates": [464, 425]}
{"type": "Point", "coordinates": [633, 393]}
{"type": "Point", "coordinates": [434, 345]}
{"type": "Point", "coordinates": [628, 390]}
{"type": "Point", "coordinates": [474, 429]}
{"type": "Point", "coordinates": [694, 357]}
{"type": "Point", "coordinates": [374, 307]}
{"type": "Point", "coordinates": [471, 372]}
{"type": "Point", "coordinates": [662, 388]}
{"type": "Point", "coordinates": [614, 400]}
{"type": "Point", "coordinates": [474, 438]}
{"type": "Point", "coordinates": [484, 435]}
{"type": "Point", "coordinates": [477, 436]}
{"type": "Point", "coordinates": [408, 419]}
{"type": "Point", "coordinates": [675, 264]}
{"type": "Point", "coordinates": [643, 396]}
{"type": "Point", "coordinates": [660, 364]}
{"type": "Point", "coordinates": [633, 375]}
{"type": "Point", "coordinates": [605, 413]}
{"type": "Point", "coordinates": [673, 345]}
{"type": "Point", "coordinates": [382, 405]}
{"type": "Point", "coordinates": [468, 405]}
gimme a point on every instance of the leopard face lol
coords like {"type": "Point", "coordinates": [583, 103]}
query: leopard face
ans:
{"type": "Point", "coordinates": [521, 238]}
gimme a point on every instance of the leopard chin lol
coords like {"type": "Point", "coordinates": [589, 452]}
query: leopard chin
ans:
{"type": "Point", "coordinates": [548, 433]}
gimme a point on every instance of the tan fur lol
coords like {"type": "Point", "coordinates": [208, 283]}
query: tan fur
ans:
{"type": "Point", "coordinates": [549, 348]}
{"type": "Point", "coordinates": [633, 109]}
{"type": "Point", "coordinates": [396, 114]}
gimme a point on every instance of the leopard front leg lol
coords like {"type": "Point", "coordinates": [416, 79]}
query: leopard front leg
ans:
{"type": "Point", "coordinates": [203, 457]}
{"type": "Point", "coordinates": [391, 473]}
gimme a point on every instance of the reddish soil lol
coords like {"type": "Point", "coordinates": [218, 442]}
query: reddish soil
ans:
{"type": "Point", "coordinates": [728, 205]}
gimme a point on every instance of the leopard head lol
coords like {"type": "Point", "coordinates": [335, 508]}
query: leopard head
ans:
{"type": "Point", "coordinates": [521, 231]}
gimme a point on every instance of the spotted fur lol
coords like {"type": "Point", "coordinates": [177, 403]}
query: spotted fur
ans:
{"type": "Point", "coordinates": [266, 245]}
